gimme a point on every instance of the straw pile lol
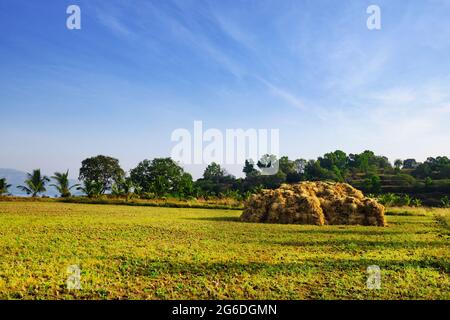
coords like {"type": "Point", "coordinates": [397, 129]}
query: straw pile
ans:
{"type": "Point", "coordinates": [318, 203]}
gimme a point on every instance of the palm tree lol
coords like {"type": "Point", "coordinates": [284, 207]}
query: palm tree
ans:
{"type": "Point", "coordinates": [91, 188]}
{"type": "Point", "coordinates": [62, 180]}
{"type": "Point", "coordinates": [35, 183]}
{"type": "Point", "coordinates": [4, 186]}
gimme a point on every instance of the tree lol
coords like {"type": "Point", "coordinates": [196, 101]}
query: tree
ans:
{"type": "Point", "coordinates": [62, 184]}
{"type": "Point", "coordinates": [410, 164]}
{"type": "Point", "coordinates": [213, 172]}
{"type": "Point", "coordinates": [4, 186]}
{"type": "Point", "coordinates": [290, 169]}
{"type": "Point", "coordinates": [35, 183]}
{"type": "Point", "coordinates": [249, 169]}
{"type": "Point", "coordinates": [186, 186]}
{"type": "Point", "coordinates": [91, 188]}
{"type": "Point", "coordinates": [300, 165]}
{"type": "Point", "coordinates": [337, 158]}
{"type": "Point", "coordinates": [314, 171]}
{"type": "Point", "coordinates": [216, 181]}
{"type": "Point", "coordinates": [373, 184]}
{"type": "Point", "coordinates": [160, 176]}
{"type": "Point", "coordinates": [102, 169]}
{"type": "Point", "coordinates": [398, 164]}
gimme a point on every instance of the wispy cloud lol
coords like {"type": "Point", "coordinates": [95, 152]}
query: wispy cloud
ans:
{"type": "Point", "coordinates": [288, 97]}
{"type": "Point", "coordinates": [114, 24]}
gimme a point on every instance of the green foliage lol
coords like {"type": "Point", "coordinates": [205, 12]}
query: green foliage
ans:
{"type": "Point", "coordinates": [213, 172]}
{"type": "Point", "coordinates": [290, 169]}
{"type": "Point", "coordinates": [93, 189]}
{"type": "Point", "coordinates": [373, 184]}
{"type": "Point", "coordinates": [398, 163]}
{"type": "Point", "coordinates": [62, 184]}
{"type": "Point", "coordinates": [404, 179]}
{"type": "Point", "coordinates": [161, 176]}
{"type": "Point", "coordinates": [35, 183]}
{"type": "Point", "coordinates": [249, 169]}
{"type": "Point", "coordinates": [123, 188]}
{"type": "Point", "coordinates": [4, 186]}
{"type": "Point", "coordinates": [436, 168]}
{"type": "Point", "coordinates": [101, 169]}
{"type": "Point", "coordinates": [410, 164]}
{"type": "Point", "coordinates": [405, 200]}
{"type": "Point", "coordinates": [389, 199]}
{"type": "Point", "coordinates": [185, 188]}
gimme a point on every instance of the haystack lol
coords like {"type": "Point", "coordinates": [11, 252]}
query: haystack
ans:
{"type": "Point", "coordinates": [318, 203]}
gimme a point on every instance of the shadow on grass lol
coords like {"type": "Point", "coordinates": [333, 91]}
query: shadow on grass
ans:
{"type": "Point", "coordinates": [374, 231]}
{"type": "Point", "coordinates": [324, 230]}
{"type": "Point", "coordinates": [155, 268]}
{"type": "Point", "coordinates": [227, 219]}
{"type": "Point", "coordinates": [361, 244]}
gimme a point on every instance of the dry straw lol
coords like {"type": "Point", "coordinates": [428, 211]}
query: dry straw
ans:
{"type": "Point", "coordinates": [318, 203]}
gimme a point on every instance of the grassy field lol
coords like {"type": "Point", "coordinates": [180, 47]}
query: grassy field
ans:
{"type": "Point", "coordinates": [129, 252]}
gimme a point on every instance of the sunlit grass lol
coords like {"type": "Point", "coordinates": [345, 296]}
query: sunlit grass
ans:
{"type": "Point", "coordinates": [129, 252]}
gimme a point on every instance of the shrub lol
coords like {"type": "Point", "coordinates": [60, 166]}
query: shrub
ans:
{"type": "Point", "coordinates": [389, 199]}
{"type": "Point", "coordinates": [405, 200]}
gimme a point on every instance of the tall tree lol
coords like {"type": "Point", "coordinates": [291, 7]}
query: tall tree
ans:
{"type": "Point", "coordinates": [249, 169]}
{"type": "Point", "coordinates": [160, 176]}
{"type": "Point", "coordinates": [410, 164]}
{"type": "Point", "coordinates": [213, 172]}
{"type": "Point", "coordinates": [62, 184]}
{"type": "Point", "coordinates": [35, 183]}
{"type": "Point", "coordinates": [103, 169]}
{"type": "Point", "coordinates": [289, 168]}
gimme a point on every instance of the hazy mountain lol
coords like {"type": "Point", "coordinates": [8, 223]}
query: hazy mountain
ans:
{"type": "Point", "coordinates": [16, 178]}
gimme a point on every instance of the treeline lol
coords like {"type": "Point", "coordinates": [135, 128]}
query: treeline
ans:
{"type": "Point", "coordinates": [163, 177]}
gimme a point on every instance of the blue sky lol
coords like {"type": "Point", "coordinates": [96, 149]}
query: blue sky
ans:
{"type": "Point", "coordinates": [137, 70]}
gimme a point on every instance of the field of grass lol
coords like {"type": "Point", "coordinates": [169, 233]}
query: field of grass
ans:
{"type": "Point", "coordinates": [127, 252]}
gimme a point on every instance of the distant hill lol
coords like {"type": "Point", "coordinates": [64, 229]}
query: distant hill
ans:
{"type": "Point", "coordinates": [16, 178]}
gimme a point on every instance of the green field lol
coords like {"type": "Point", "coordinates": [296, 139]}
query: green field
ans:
{"type": "Point", "coordinates": [127, 252]}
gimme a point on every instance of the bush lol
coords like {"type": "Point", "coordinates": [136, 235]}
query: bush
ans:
{"type": "Point", "coordinates": [405, 200]}
{"type": "Point", "coordinates": [389, 199]}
